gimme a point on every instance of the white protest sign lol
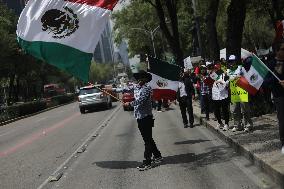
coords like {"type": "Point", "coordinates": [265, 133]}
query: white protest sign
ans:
{"type": "Point", "coordinates": [187, 63]}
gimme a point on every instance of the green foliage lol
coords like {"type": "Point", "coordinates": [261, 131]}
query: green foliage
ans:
{"type": "Point", "coordinates": [22, 109]}
{"type": "Point", "coordinates": [19, 110]}
{"type": "Point", "coordinates": [101, 73]}
{"type": "Point", "coordinates": [61, 99]}
{"type": "Point", "coordinates": [138, 15]}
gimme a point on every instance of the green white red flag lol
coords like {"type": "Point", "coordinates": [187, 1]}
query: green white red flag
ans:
{"type": "Point", "coordinates": [165, 79]}
{"type": "Point", "coordinates": [64, 33]}
{"type": "Point", "coordinates": [253, 79]}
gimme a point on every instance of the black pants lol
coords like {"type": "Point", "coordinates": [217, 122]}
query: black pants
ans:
{"type": "Point", "coordinates": [185, 103]}
{"type": "Point", "coordinates": [145, 127]}
{"type": "Point", "coordinates": [206, 104]}
{"type": "Point", "coordinates": [224, 105]}
{"type": "Point", "coordinates": [160, 105]}
{"type": "Point", "coordinates": [279, 103]}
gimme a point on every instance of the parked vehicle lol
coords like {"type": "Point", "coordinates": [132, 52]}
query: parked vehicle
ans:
{"type": "Point", "coordinates": [91, 97]}
{"type": "Point", "coordinates": [127, 96]}
{"type": "Point", "coordinates": [51, 90]}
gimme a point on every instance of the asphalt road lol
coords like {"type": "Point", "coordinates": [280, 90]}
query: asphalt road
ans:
{"type": "Point", "coordinates": [102, 149]}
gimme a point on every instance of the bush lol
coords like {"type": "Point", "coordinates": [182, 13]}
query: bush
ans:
{"type": "Point", "coordinates": [18, 110]}
{"type": "Point", "coordinates": [61, 99]}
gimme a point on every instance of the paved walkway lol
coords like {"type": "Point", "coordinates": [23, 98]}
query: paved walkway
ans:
{"type": "Point", "coordinates": [262, 145]}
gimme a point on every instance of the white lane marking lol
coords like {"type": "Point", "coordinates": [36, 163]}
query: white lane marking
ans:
{"type": "Point", "coordinates": [102, 124]}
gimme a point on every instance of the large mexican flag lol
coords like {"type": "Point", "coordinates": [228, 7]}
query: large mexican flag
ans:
{"type": "Point", "coordinates": [64, 33]}
{"type": "Point", "coordinates": [165, 78]}
{"type": "Point", "coordinates": [253, 79]}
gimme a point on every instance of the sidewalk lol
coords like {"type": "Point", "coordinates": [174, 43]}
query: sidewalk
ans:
{"type": "Point", "coordinates": [262, 146]}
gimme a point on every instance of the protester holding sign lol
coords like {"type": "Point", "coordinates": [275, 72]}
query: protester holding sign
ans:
{"type": "Point", "coordinates": [239, 98]}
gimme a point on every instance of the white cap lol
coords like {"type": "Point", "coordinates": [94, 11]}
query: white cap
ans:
{"type": "Point", "coordinates": [208, 63]}
{"type": "Point", "coordinates": [232, 57]}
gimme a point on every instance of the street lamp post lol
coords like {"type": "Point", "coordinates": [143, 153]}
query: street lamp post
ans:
{"type": "Point", "coordinates": [152, 34]}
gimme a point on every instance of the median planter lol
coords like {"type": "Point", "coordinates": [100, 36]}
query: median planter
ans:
{"type": "Point", "coordinates": [28, 108]}
{"type": "Point", "coordinates": [18, 110]}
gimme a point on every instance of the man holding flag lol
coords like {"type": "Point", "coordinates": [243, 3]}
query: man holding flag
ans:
{"type": "Point", "coordinates": [277, 86]}
{"type": "Point", "coordinates": [143, 114]}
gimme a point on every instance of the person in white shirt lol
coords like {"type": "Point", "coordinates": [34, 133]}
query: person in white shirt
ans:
{"type": "Point", "coordinates": [184, 97]}
{"type": "Point", "coordinates": [220, 99]}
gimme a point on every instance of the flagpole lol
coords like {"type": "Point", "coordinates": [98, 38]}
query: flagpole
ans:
{"type": "Point", "coordinates": [104, 91]}
{"type": "Point", "coordinates": [268, 68]}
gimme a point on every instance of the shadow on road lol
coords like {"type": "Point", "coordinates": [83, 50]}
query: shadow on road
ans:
{"type": "Point", "coordinates": [191, 142]}
{"type": "Point", "coordinates": [98, 109]}
{"type": "Point", "coordinates": [215, 155]}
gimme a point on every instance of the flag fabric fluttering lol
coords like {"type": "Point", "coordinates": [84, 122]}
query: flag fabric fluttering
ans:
{"type": "Point", "coordinates": [64, 33]}
{"type": "Point", "coordinates": [165, 79]}
{"type": "Point", "coordinates": [252, 79]}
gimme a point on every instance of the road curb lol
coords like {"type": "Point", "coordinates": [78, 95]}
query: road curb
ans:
{"type": "Point", "coordinates": [30, 115]}
{"type": "Point", "coordinates": [277, 176]}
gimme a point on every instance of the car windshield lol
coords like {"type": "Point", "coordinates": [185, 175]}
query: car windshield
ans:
{"type": "Point", "coordinates": [88, 91]}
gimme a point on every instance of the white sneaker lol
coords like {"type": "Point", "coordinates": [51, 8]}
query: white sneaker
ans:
{"type": "Point", "coordinates": [219, 126]}
{"type": "Point", "coordinates": [226, 127]}
{"type": "Point", "coordinates": [282, 150]}
{"type": "Point", "coordinates": [248, 128]}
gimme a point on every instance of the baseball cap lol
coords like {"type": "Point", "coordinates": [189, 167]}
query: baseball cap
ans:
{"type": "Point", "coordinates": [232, 57]}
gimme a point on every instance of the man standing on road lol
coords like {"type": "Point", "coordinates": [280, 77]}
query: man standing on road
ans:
{"type": "Point", "coordinates": [184, 97]}
{"type": "Point", "coordinates": [143, 113]}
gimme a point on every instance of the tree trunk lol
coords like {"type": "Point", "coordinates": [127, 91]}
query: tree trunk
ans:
{"type": "Point", "coordinates": [11, 88]}
{"type": "Point", "coordinates": [277, 9]}
{"type": "Point", "coordinates": [236, 17]}
{"type": "Point", "coordinates": [172, 38]}
{"type": "Point", "coordinates": [213, 44]}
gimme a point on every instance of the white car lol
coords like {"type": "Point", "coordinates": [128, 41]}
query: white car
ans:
{"type": "Point", "coordinates": [91, 97]}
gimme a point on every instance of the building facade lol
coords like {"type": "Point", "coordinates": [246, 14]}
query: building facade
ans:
{"type": "Point", "coordinates": [104, 52]}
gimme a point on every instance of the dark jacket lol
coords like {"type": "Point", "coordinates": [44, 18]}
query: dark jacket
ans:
{"type": "Point", "coordinates": [272, 83]}
{"type": "Point", "coordinates": [189, 88]}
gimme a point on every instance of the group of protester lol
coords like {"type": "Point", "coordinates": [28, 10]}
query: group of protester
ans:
{"type": "Point", "coordinates": [213, 82]}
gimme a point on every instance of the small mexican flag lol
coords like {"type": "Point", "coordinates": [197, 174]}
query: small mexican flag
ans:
{"type": "Point", "coordinates": [165, 79]}
{"type": "Point", "coordinates": [64, 33]}
{"type": "Point", "coordinates": [253, 79]}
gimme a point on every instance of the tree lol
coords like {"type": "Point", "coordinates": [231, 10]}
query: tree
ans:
{"type": "Point", "coordinates": [167, 11]}
{"type": "Point", "coordinates": [129, 19]}
{"type": "Point", "coordinates": [212, 37]}
{"type": "Point", "coordinates": [236, 18]}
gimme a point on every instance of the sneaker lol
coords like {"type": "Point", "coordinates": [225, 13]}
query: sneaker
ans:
{"type": "Point", "coordinates": [248, 128]}
{"type": "Point", "coordinates": [226, 127]}
{"type": "Point", "coordinates": [157, 160]}
{"type": "Point", "coordinates": [219, 126]}
{"type": "Point", "coordinates": [185, 126]}
{"type": "Point", "coordinates": [236, 129]}
{"type": "Point", "coordinates": [191, 125]}
{"type": "Point", "coordinates": [144, 167]}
